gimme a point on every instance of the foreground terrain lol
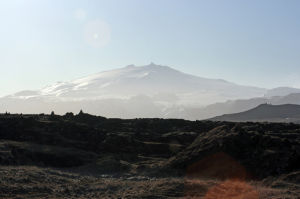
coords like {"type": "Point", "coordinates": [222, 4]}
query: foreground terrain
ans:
{"type": "Point", "coordinates": [84, 156]}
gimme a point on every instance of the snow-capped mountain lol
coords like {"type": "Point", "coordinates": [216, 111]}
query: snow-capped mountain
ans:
{"type": "Point", "coordinates": [151, 80]}
{"type": "Point", "coordinates": [133, 91]}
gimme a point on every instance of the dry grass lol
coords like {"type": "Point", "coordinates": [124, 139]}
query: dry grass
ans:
{"type": "Point", "coordinates": [235, 189]}
{"type": "Point", "coordinates": [34, 182]}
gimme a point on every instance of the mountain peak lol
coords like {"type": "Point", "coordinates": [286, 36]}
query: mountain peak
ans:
{"type": "Point", "coordinates": [130, 66]}
{"type": "Point", "coordinates": [157, 67]}
{"type": "Point", "coordinates": [152, 64]}
{"type": "Point", "coordinates": [155, 81]}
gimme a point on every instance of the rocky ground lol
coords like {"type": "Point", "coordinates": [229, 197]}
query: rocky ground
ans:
{"type": "Point", "coordinates": [84, 156]}
{"type": "Point", "coordinates": [36, 182]}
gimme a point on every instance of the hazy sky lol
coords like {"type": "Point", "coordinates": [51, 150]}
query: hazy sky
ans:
{"type": "Point", "coordinates": [253, 42]}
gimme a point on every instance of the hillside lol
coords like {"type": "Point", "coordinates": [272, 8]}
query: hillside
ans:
{"type": "Point", "coordinates": [233, 106]}
{"type": "Point", "coordinates": [86, 156]}
{"type": "Point", "coordinates": [265, 112]}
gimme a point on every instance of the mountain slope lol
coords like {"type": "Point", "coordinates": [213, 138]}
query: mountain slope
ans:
{"type": "Point", "coordinates": [142, 91]}
{"type": "Point", "coordinates": [236, 106]}
{"type": "Point", "coordinates": [132, 91]}
{"type": "Point", "coordinates": [148, 80]}
{"type": "Point", "coordinates": [265, 112]}
{"type": "Point", "coordinates": [281, 91]}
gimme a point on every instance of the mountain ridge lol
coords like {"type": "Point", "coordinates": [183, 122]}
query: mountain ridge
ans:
{"type": "Point", "coordinates": [265, 113]}
{"type": "Point", "coordinates": [138, 91]}
{"type": "Point", "coordinates": [157, 76]}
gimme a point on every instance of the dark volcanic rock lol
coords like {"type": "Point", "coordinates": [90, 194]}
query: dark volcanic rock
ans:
{"type": "Point", "coordinates": [226, 152]}
{"type": "Point", "coordinates": [24, 153]}
{"type": "Point", "coordinates": [84, 156]}
{"type": "Point", "coordinates": [203, 148]}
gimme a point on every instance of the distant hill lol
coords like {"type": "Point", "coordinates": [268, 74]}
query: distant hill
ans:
{"type": "Point", "coordinates": [281, 91]}
{"type": "Point", "coordinates": [234, 106]}
{"type": "Point", "coordinates": [265, 112]}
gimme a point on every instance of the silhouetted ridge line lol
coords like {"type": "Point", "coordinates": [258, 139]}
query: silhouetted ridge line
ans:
{"type": "Point", "coordinates": [265, 112]}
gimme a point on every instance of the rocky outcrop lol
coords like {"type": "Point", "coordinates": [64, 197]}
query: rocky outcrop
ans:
{"type": "Point", "coordinates": [239, 152]}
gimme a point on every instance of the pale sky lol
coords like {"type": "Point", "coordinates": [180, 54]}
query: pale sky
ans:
{"type": "Point", "coordinates": [253, 42]}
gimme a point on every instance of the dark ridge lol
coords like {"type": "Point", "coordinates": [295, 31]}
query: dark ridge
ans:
{"type": "Point", "coordinates": [265, 112]}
